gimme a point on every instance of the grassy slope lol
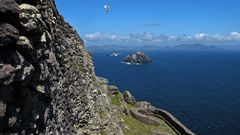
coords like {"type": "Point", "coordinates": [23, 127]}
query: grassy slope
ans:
{"type": "Point", "coordinates": [136, 127]}
{"type": "Point", "coordinates": [116, 99]}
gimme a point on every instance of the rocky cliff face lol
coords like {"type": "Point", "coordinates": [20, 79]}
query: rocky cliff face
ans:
{"type": "Point", "coordinates": [47, 80]}
{"type": "Point", "coordinates": [48, 85]}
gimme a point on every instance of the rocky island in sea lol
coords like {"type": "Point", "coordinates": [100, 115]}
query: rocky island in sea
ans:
{"type": "Point", "coordinates": [137, 58]}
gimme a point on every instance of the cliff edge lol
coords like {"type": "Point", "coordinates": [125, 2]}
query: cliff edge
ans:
{"type": "Point", "coordinates": [47, 79]}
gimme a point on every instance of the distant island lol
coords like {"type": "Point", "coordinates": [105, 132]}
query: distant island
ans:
{"type": "Point", "coordinates": [114, 54]}
{"type": "Point", "coordinates": [137, 58]}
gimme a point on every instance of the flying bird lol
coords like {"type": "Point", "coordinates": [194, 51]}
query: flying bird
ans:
{"type": "Point", "coordinates": [106, 7]}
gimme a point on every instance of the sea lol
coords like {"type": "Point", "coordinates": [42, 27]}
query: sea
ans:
{"type": "Point", "coordinates": [200, 88]}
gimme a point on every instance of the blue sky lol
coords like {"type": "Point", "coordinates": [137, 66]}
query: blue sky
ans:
{"type": "Point", "coordinates": [154, 22]}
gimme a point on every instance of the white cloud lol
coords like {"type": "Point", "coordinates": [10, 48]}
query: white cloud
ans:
{"type": "Point", "coordinates": [200, 36]}
{"type": "Point", "coordinates": [147, 38]}
{"type": "Point", "coordinates": [93, 36]}
{"type": "Point", "coordinates": [235, 35]}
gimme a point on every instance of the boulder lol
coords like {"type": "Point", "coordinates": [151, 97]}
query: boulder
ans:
{"type": "Point", "coordinates": [129, 98]}
{"type": "Point", "coordinates": [24, 74]}
{"type": "Point", "coordinates": [101, 80]}
{"type": "Point", "coordinates": [40, 88]}
{"type": "Point", "coordinates": [3, 107]}
{"type": "Point", "coordinates": [9, 7]}
{"type": "Point", "coordinates": [137, 58]}
{"type": "Point", "coordinates": [18, 71]}
{"type": "Point", "coordinates": [8, 35]}
{"type": "Point", "coordinates": [146, 105]}
{"type": "Point", "coordinates": [32, 2]}
{"type": "Point", "coordinates": [114, 89]}
{"type": "Point", "coordinates": [6, 97]}
{"type": "Point", "coordinates": [24, 44]}
{"type": "Point", "coordinates": [25, 47]}
{"type": "Point", "coordinates": [9, 10]}
{"type": "Point", "coordinates": [7, 73]}
{"type": "Point", "coordinates": [31, 19]}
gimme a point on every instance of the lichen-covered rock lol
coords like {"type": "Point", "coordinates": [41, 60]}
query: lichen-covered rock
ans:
{"type": "Point", "coordinates": [40, 89]}
{"type": "Point", "coordinates": [145, 105]}
{"type": "Point", "coordinates": [3, 107]}
{"type": "Point", "coordinates": [8, 35]}
{"type": "Point", "coordinates": [113, 89]}
{"type": "Point", "coordinates": [31, 19]}
{"type": "Point", "coordinates": [24, 44]}
{"type": "Point", "coordinates": [101, 80]}
{"type": "Point", "coordinates": [111, 123]}
{"type": "Point", "coordinates": [129, 98]}
{"type": "Point", "coordinates": [18, 70]}
{"type": "Point", "coordinates": [7, 73]}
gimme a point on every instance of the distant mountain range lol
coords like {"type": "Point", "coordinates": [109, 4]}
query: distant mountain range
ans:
{"type": "Point", "coordinates": [95, 48]}
{"type": "Point", "coordinates": [196, 47]}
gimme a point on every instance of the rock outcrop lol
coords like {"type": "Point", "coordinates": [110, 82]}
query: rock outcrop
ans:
{"type": "Point", "coordinates": [158, 121]}
{"type": "Point", "coordinates": [47, 79]}
{"type": "Point", "coordinates": [137, 58]}
{"type": "Point", "coordinates": [129, 98]}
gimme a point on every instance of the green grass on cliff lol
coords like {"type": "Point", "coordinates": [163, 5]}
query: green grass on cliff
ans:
{"type": "Point", "coordinates": [137, 127]}
{"type": "Point", "coordinates": [129, 106]}
{"type": "Point", "coordinates": [116, 99]}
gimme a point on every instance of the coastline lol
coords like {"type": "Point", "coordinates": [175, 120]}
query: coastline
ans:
{"type": "Point", "coordinates": [142, 110]}
{"type": "Point", "coordinates": [48, 83]}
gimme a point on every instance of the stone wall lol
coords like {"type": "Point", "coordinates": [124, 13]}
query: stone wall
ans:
{"type": "Point", "coordinates": [47, 80]}
{"type": "Point", "coordinates": [142, 115]}
{"type": "Point", "coordinates": [172, 121]}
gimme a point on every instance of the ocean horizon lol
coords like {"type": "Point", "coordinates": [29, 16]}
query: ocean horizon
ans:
{"type": "Point", "coordinates": [200, 88]}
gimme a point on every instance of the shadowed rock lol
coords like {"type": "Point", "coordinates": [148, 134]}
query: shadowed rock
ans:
{"type": "Point", "coordinates": [129, 98]}
{"type": "Point", "coordinates": [113, 89]}
{"type": "Point", "coordinates": [9, 10]}
{"type": "Point", "coordinates": [14, 68]}
{"type": "Point", "coordinates": [9, 7]}
{"type": "Point", "coordinates": [8, 35]}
